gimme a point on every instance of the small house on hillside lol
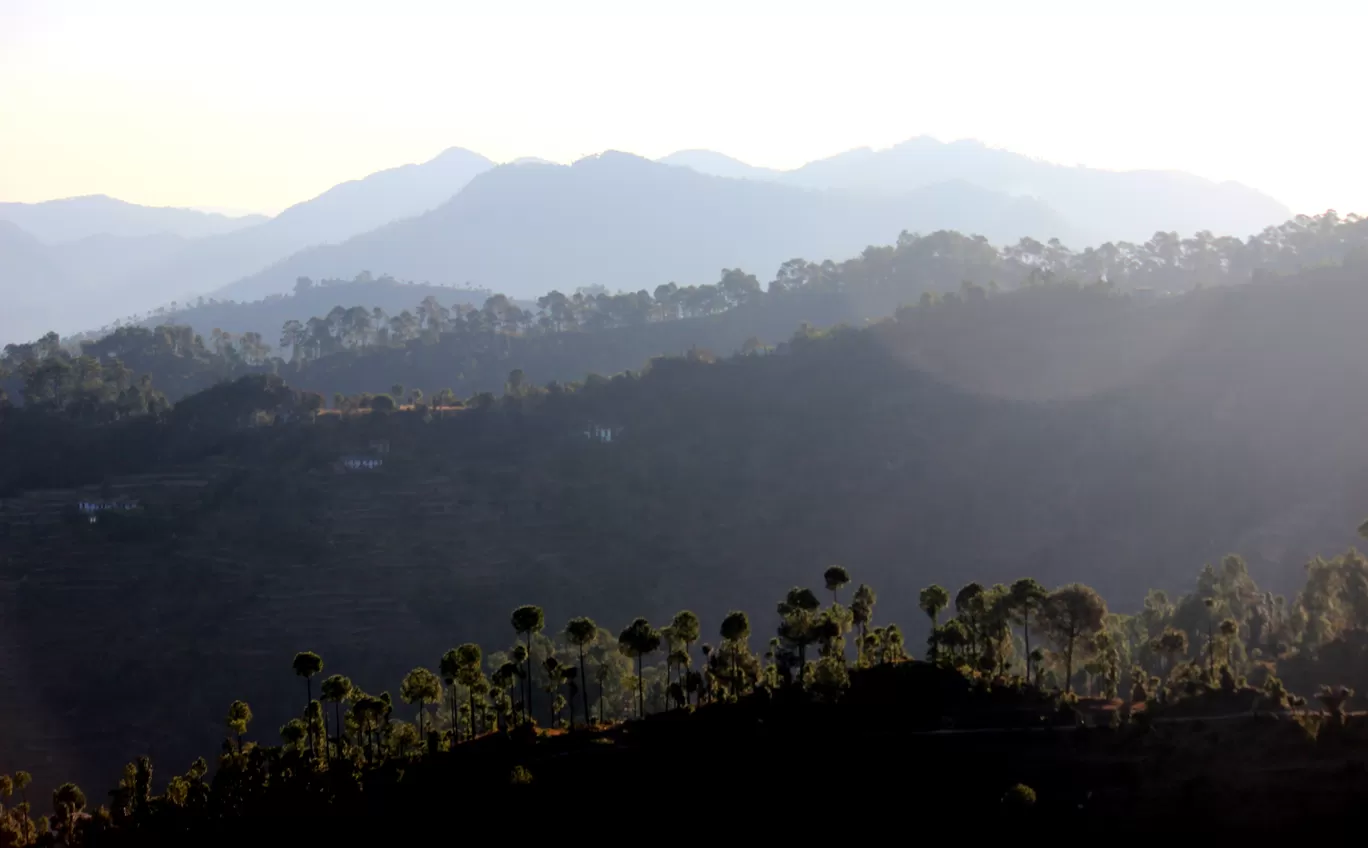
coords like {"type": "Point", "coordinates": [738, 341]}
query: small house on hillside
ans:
{"type": "Point", "coordinates": [361, 462]}
{"type": "Point", "coordinates": [599, 433]}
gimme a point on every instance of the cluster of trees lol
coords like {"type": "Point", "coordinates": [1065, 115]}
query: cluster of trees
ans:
{"type": "Point", "coordinates": [476, 343]}
{"type": "Point", "coordinates": [83, 387]}
{"type": "Point", "coordinates": [582, 678]}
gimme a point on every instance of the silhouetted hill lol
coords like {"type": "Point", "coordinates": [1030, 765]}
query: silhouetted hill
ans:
{"type": "Point", "coordinates": [72, 218]}
{"type": "Point", "coordinates": [1104, 205]}
{"type": "Point", "coordinates": [626, 223]}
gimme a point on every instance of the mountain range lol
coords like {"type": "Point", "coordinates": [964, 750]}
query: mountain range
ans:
{"type": "Point", "coordinates": [91, 281]}
{"type": "Point", "coordinates": [627, 223]}
{"type": "Point", "coordinates": [1108, 205]}
{"type": "Point", "coordinates": [612, 219]}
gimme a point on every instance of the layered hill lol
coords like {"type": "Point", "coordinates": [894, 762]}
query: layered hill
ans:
{"type": "Point", "coordinates": [623, 222]}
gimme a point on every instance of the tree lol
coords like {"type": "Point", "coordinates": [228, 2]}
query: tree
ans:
{"type": "Point", "coordinates": [1068, 614]}
{"type": "Point", "coordinates": [239, 716]}
{"type": "Point", "coordinates": [68, 802]}
{"type": "Point", "coordinates": [449, 668]}
{"type": "Point", "coordinates": [1026, 596]}
{"type": "Point", "coordinates": [932, 600]}
{"type": "Point", "coordinates": [528, 619]}
{"type": "Point", "coordinates": [798, 625]}
{"type": "Point", "coordinates": [306, 665]}
{"type": "Point", "coordinates": [637, 640]}
{"type": "Point", "coordinates": [382, 403]}
{"type": "Point", "coordinates": [862, 612]}
{"type": "Point", "coordinates": [1229, 628]}
{"type": "Point", "coordinates": [581, 632]}
{"type": "Point", "coordinates": [22, 779]}
{"type": "Point", "coordinates": [336, 689]}
{"type": "Point", "coordinates": [421, 687]}
{"type": "Point", "coordinates": [1170, 644]}
{"type": "Point", "coordinates": [836, 576]}
{"type": "Point", "coordinates": [735, 631]}
{"type": "Point", "coordinates": [470, 675]}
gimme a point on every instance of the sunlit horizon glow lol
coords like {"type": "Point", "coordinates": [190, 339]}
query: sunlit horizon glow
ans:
{"type": "Point", "coordinates": [254, 106]}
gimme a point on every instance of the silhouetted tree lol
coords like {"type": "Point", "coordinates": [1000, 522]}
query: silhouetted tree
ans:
{"type": "Point", "coordinates": [1026, 596]}
{"type": "Point", "coordinates": [735, 631]}
{"type": "Point", "coordinates": [1068, 614]}
{"type": "Point", "coordinates": [932, 600]}
{"type": "Point", "coordinates": [306, 665]}
{"type": "Point", "coordinates": [239, 716]}
{"type": "Point", "coordinates": [637, 640]}
{"type": "Point", "coordinates": [581, 632]}
{"type": "Point", "coordinates": [862, 612]}
{"type": "Point", "coordinates": [337, 689]}
{"type": "Point", "coordinates": [836, 577]}
{"type": "Point", "coordinates": [421, 687]}
{"type": "Point", "coordinates": [528, 619]}
{"type": "Point", "coordinates": [470, 675]}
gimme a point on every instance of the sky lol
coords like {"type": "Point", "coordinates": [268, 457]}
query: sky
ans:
{"type": "Point", "coordinates": [252, 106]}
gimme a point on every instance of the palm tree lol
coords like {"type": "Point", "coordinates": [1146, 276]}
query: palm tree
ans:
{"type": "Point", "coordinates": [836, 576]}
{"type": "Point", "coordinates": [1025, 597]}
{"type": "Point", "coordinates": [22, 779]}
{"type": "Point", "coordinates": [306, 665]}
{"type": "Point", "coordinates": [528, 619]}
{"type": "Point", "coordinates": [239, 716]}
{"type": "Point", "coordinates": [337, 689]}
{"type": "Point", "coordinates": [421, 687]}
{"type": "Point", "coordinates": [735, 631]}
{"type": "Point", "coordinates": [581, 632]}
{"type": "Point", "coordinates": [637, 640]}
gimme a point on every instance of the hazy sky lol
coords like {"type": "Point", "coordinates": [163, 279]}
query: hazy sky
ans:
{"type": "Point", "coordinates": [256, 105]}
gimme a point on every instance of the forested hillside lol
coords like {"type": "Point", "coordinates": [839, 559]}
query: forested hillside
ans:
{"type": "Point", "coordinates": [1063, 431]}
{"type": "Point", "coordinates": [370, 333]}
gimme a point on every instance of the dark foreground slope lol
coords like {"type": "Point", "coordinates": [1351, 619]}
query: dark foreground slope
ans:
{"type": "Point", "coordinates": [875, 754]}
{"type": "Point", "coordinates": [1059, 432]}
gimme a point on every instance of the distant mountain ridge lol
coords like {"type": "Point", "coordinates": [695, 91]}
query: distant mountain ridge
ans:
{"type": "Point", "coordinates": [93, 260]}
{"type": "Point", "coordinates": [1111, 205]}
{"type": "Point", "coordinates": [625, 222]}
{"type": "Point", "coordinates": [74, 218]}
{"type": "Point", "coordinates": [115, 276]}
